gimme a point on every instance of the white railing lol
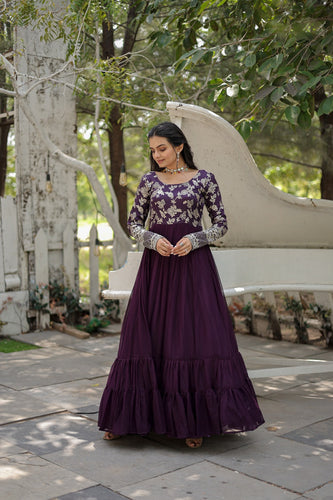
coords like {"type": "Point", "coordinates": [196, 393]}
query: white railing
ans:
{"type": "Point", "coordinates": [42, 264]}
{"type": "Point", "coordinates": [14, 301]}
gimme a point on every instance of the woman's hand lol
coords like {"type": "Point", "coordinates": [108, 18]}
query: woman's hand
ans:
{"type": "Point", "coordinates": [182, 248]}
{"type": "Point", "coordinates": [164, 247]}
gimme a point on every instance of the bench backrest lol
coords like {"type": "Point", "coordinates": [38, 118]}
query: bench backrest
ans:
{"type": "Point", "coordinates": [250, 270]}
{"type": "Point", "coordinates": [259, 215]}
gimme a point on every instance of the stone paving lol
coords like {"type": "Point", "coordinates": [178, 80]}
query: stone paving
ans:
{"type": "Point", "coordinates": [50, 447]}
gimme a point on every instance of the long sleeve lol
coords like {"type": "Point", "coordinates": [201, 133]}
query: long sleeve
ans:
{"type": "Point", "coordinates": [138, 216]}
{"type": "Point", "coordinates": [219, 227]}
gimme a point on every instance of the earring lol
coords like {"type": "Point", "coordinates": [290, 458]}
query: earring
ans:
{"type": "Point", "coordinates": [177, 156]}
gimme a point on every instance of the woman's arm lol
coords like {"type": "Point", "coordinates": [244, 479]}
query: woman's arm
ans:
{"type": "Point", "coordinates": [138, 216]}
{"type": "Point", "coordinates": [219, 227]}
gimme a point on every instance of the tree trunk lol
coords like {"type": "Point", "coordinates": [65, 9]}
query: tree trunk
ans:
{"type": "Point", "coordinates": [117, 159]}
{"type": "Point", "coordinates": [326, 131]}
{"type": "Point", "coordinates": [115, 133]}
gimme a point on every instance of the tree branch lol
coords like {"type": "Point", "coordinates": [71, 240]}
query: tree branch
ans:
{"type": "Point", "coordinates": [69, 161]}
{"type": "Point", "coordinates": [271, 155]}
{"type": "Point", "coordinates": [6, 92]}
{"type": "Point", "coordinates": [76, 164]}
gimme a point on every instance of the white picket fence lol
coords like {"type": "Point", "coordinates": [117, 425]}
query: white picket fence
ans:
{"type": "Point", "coordinates": [68, 248]}
{"type": "Point", "coordinates": [14, 298]}
{"type": "Point", "coordinates": [14, 293]}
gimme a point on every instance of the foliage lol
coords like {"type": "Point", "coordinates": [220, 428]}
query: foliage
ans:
{"type": "Point", "coordinates": [272, 61]}
{"type": "Point", "coordinates": [59, 295]}
{"type": "Point", "coordinates": [279, 50]}
{"type": "Point", "coordinates": [236, 46]}
{"type": "Point", "coordinates": [95, 324]}
{"type": "Point", "coordinates": [109, 309]}
{"type": "Point", "coordinates": [296, 306]}
{"type": "Point", "coordinates": [37, 300]}
{"type": "Point", "coordinates": [249, 318]}
{"type": "Point", "coordinates": [326, 327]}
{"type": "Point", "coordinates": [290, 161]}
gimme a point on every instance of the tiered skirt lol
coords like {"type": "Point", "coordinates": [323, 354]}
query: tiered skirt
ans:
{"type": "Point", "coordinates": [178, 371]}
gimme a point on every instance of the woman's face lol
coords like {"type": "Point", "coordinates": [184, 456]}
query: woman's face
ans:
{"type": "Point", "coordinates": [164, 153]}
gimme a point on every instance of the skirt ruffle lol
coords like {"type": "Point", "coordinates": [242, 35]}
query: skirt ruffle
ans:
{"type": "Point", "coordinates": [198, 398]}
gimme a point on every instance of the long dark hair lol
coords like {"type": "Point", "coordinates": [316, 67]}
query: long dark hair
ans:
{"type": "Point", "coordinates": [175, 137]}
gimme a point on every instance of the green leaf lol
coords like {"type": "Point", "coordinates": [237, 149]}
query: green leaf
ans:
{"type": "Point", "coordinates": [215, 82]}
{"type": "Point", "coordinates": [204, 5]}
{"type": "Point", "coordinates": [180, 66]}
{"type": "Point", "coordinates": [163, 39]}
{"type": "Point", "coordinates": [285, 70]}
{"type": "Point", "coordinates": [190, 39]}
{"type": "Point", "coordinates": [304, 119]}
{"type": "Point", "coordinates": [198, 55]}
{"type": "Point", "coordinates": [187, 55]}
{"type": "Point", "coordinates": [217, 94]}
{"type": "Point", "coordinates": [309, 84]}
{"type": "Point", "coordinates": [265, 66]}
{"type": "Point", "coordinates": [327, 40]}
{"type": "Point", "coordinates": [264, 92]}
{"type": "Point", "coordinates": [245, 130]}
{"type": "Point", "coordinates": [221, 99]}
{"type": "Point", "coordinates": [214, 25]}
{"type": "Point", "coordinates": [208, 56]}
{"type": "Point", "coordinates": [317, 65]}
{"type": "Point", "coordinates": [279, 81]}
{"type": "Point", "coordinates": [277, 94]}
{"type": "Point", "coordinates": [292, 88]}
{"type": "Point", "coordinates": [290, 42]}
{"type": "Point", "coordinates": [326, 106]}
{"type": "Point", "coordinates": [271, 63]}
{"type": "Point", "coordinates": [211, 98]}
{"type": "Point", "coordinates": [292, 113]}
{"type": "Point", "coordinates": [179, 51]}
{"type": "Point", "coordinates": [304, 105]}
{"type": "Point", "coordinates": [278, 60]}
{"type": "Point", "coordinates": [250, 60]}
{"type": "Point", "coordinates": [196, 25]}
{"type": "Point", "coordinates": [327, 80]}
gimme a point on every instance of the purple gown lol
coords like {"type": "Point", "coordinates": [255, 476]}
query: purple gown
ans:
{"type": "Point", "coordinates": [178, 371]}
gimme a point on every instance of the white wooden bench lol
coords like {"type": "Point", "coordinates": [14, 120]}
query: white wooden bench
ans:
{"type": "Point", "coordinates": [253, 270]}
{"type": "Point", "coordinates": [275, 242]}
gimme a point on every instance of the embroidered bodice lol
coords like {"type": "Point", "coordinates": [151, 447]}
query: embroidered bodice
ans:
{"type": "Point", "coordinates": [178, 203]}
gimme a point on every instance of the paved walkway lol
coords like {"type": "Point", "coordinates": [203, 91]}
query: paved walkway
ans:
{"type": "Point", "coordinates": [50, 447]}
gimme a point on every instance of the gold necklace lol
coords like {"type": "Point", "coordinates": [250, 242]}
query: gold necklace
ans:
{"type": "Point", "coordinates": [176, 170]}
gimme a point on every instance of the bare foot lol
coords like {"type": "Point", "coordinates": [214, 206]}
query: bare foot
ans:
{"type": "Point", "coordinates": [109, 436]}
{"type": "Point", "coordinates": [193, 442]}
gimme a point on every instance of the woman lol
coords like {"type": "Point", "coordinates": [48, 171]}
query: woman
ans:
{"type": "Point", "coordinates": [178, 370]}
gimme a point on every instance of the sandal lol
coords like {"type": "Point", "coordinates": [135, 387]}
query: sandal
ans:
{"type": "Point", "coordinates": [108, 436]}
{"type": "Point", "coordinates": [193, 442]}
